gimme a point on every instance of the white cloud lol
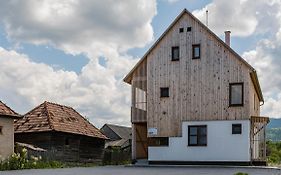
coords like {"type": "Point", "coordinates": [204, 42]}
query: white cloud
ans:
{"type": "Point", "coordinates": [95, 93]}
{"type": "Point", "coordinates": [95, 28]}
{"type": "Point", "coordinates": [172, 1]}
{"type": "Point", "coordinates": [77, 26]}
{"type": "Point", "coordinates": [266, 59]}
{"type": "Point", "coordinates": [243, 18]}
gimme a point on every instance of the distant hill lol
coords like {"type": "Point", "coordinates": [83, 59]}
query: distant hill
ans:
{"type": "Point", "coordinates": [273, 130]}
{"type": "Point", "coordinates": [274, 123]}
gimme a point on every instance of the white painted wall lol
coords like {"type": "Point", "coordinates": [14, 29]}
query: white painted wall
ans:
{"type": "Point", "coordinates": [222, 145]}
{"type": "Point", "coordinates": [7, 137]}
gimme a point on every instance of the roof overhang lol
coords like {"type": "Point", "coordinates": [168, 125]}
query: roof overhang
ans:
{"type": "Point", "coordinates": [256, 83]}
{"type": "Point", "coordinates": [11, 116]}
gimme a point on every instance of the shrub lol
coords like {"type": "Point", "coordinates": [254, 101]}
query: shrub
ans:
{"type": "Point", "coordinates": [273, 152]}
{"type": "Point", "coordinates": [20, 161]}
{"type": "Point", "coordinates": [239, 173]}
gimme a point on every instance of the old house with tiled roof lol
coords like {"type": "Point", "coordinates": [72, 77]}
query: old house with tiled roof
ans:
{"type": "Point", "coordinates": [119, 136]}
{"type": "Point", "coordinates": [7, 116]}
{"type": "Point", "coordinates": [62, 131]}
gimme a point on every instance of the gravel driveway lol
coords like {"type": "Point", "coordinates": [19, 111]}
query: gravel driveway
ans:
{"type": "Point", "coordinates": [121, 170]}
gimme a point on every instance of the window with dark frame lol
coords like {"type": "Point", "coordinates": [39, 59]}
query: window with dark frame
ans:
{"type": "Point", "coordinates": [1, 129]}
{"type": "Point", "coordinates": [158, 141]}
{"type": "Point", "coordinates": [196, 51]}
{"type": "Point", "coordinates": [188, 29]}
{"type": "Point", "coordinates": [236, 94]}
{"type": "Point", "coordinates": [175, 53]}
{"type": "Point", "coordinates": [236, 128]}
{"type": "Point", "coordinates": [181, 30]}
{"type": "Point", "coordinates": [164, 92]}
{"type": "Point", "coordinates": [197, 135]}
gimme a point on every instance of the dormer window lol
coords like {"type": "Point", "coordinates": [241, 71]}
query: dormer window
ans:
{"type": "Point", "coordinates": [175, 53]}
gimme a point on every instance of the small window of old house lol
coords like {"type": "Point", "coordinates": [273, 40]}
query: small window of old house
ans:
{"type": "Point", "coordinates": [164, 92]}
{"type": "Point", "coordinates": [175, 53]}
{"type": "Point", "coordinates": [1, 130]}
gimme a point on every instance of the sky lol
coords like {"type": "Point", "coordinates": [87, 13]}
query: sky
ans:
{"type": "Point", "coordinates": [76, 52]}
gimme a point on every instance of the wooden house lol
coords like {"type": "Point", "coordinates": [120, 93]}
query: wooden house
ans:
{"type": "Point", "coordinates": [7, 116]}
{"type": "Point", "coordinates": [119, 136]}
{"type": "Point", "coordinates": [195, 100]}
{"type": "Point", "coordinates": [62, 131]}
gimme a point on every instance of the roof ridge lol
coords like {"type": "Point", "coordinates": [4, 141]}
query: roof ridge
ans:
{"type": "Point", "coordinates": [116, 125]}
{"type": "Point", "coordinates": [53, 103]}
{"type": "Point", "coordinates": [48, 115]}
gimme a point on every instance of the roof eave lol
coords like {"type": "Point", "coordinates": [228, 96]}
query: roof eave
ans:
{"type": "Point", "coordinates": [256, 83]}
{"type": "Point", "coordinates": [14, 116]}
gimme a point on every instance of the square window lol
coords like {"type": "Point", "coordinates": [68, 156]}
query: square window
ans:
{"type": "Point", "coordinates": [236, 128]}
{"type": "Point", "coordinates": [175, 53]}
{"type": "Point", "coordinates": [181, 30]}
{"type": "Point", "coordinates": [164, 92]}
{"type": "Point", "coordinates": [196, 51]}
{"type": "Point", "coordinates": [197, 135]}
{"type": "Point", "coordinates": [188, 29]}
{"type": "Point", "coordinates": [236, 94]}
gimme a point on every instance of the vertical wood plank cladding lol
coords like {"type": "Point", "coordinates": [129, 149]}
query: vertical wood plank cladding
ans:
{"type": "Point", "coordinates": [199, 88]}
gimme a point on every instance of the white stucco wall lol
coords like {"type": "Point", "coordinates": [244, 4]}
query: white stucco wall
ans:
{"type": "Point", "coordinates": [7, 137]}
{"type": "Point", "coordinates": [222, 145]}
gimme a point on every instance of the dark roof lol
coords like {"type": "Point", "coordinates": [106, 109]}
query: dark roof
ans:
{"type": "Point", "coordinates": [128, 77]}
{"type": "Point", "coordinates": [7, 111]}
{"type": "Point", "coordinates": [54, 117]}
{"type": "Point", "coordinates": [122, 131]}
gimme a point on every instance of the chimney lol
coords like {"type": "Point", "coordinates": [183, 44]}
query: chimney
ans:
{"type": "Point", "coordinates": [227, 37]}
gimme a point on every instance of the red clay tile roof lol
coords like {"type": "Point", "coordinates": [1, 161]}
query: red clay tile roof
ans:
{"type": "Point", "coordinates": [54, 117]}
{"type": "Point", "coordinates": [7, 111]}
